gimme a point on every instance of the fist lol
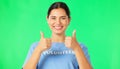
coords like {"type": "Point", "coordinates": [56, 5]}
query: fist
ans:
{"type": "Point", "coordinates": [71, 42]}
{"type": "Point", "coordinates": [45, 43]}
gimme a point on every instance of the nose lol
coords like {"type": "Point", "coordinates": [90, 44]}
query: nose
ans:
{"type": "Point", "coordinates": [58, 21]}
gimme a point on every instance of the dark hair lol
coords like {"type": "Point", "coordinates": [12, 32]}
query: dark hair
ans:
{"type": "Point", "coordinates": [56, 5]}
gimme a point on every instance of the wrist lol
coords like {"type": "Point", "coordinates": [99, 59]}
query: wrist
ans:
{"type": "Point", "coordinates": [39, 49]}
{"type": "Point", "coordinates": [76, 47]}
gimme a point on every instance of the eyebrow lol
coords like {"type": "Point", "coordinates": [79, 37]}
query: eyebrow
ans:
{"type": "Point", "coordinates": [60, 16]}
{"type": "Point", "coordinates": [63, 16]}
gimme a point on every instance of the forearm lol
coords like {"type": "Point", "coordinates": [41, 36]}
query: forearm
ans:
{"type": "Point", "coordinates": [32, 62]}
{"type": "Point", "coordinates": [82, 60]}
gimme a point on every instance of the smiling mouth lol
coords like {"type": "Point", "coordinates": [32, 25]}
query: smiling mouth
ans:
{"type": "Point", "coordinates": [58, 27]}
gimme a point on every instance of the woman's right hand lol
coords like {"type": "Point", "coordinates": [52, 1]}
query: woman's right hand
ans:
{"type": "Point", "coordinates": [45, 43]}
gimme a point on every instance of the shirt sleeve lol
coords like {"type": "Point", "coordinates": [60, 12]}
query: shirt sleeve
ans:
{"type": "Point", "coordinates": [32, 47]}
{"type": "Point", "coordinates": [85, 50]}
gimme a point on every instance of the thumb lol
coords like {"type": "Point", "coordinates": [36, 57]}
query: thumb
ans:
{"type": "Point", "coordinates": [74, 34]}
{"type": "Point", "coordinates": [42, 35]}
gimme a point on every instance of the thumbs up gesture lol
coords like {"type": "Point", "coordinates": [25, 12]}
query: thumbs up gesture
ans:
{"type": "Point", "coordinates": [45, 43]}
{"type": "Point", "coordinates": [71, 42]}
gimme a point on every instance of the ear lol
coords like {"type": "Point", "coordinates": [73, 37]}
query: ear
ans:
{"type": "Point", "coordinates": [69, 19]}
{"type": "Point", "coordinates": [47, 18]}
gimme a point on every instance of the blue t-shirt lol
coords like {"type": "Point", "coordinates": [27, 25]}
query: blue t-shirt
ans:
{"type": "Point", "coordinates": [57, 57]}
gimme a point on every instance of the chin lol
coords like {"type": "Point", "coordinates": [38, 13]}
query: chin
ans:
{"type": "Point", "coordinates": [58, 32]}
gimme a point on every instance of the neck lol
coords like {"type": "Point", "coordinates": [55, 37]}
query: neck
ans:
{"type": "Point", "coordinates": [58, 37]}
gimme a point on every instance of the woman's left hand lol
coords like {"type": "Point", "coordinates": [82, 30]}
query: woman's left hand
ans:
{"type": "Point", "coordinates": [71, 42]}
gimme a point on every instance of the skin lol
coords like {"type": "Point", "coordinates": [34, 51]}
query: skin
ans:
{"type": "Point", "coordinates": [58, 22]}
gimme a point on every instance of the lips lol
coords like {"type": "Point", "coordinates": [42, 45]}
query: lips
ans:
{"type": "Point", "coordinates": [58, 27]}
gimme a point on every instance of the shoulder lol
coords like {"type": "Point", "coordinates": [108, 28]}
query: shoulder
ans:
{"type": "Point", "coordinates": [83, 46]}
{"type": "Point", "coordinates": [34, 45]}
{"type": "Point", "coordinates": [85, 50]}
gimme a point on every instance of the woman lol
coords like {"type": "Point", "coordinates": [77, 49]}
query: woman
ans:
{"type": "Point", "coordinates": [59, 51]}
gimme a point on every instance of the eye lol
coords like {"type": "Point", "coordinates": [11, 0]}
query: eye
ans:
{"type": "Point", "coordinates": [63, 18]}
{"type": "Point", "coordinates": [53, 18]}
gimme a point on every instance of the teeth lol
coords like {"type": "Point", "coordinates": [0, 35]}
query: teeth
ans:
{"type": "Point", "coordinates": [58, 27]}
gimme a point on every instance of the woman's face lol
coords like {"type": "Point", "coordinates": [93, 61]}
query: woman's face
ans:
{"type": "Point", "coordinates": [58, 21]}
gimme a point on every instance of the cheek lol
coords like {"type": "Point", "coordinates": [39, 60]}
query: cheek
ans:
{"type": "Point", "coordinates": [50, 22]}
{"type": "Point", "coordinates": [51, 25]}
{"type": "Point", "coordinates": [66, 23]}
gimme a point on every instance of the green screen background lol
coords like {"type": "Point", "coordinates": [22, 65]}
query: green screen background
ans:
{"type": "Point", "coordinates": [97, 24]}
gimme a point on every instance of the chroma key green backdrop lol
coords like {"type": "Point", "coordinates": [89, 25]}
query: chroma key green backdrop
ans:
{"type": "Point", "coordinates": [97, 24]}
